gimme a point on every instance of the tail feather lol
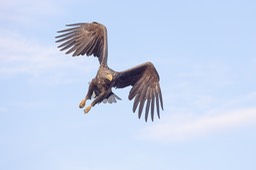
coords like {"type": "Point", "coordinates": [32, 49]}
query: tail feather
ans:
{"type": "Point", "coordinates": [111, 98]}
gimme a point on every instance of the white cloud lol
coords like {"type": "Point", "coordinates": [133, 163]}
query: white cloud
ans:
{"type": "Point", "coordinates": [22, 56]}
{"type": "Point", "coordinates": [183, 126]}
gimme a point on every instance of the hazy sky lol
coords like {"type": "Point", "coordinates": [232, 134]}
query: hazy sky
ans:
{"type": "Point", "coordinates": [204, 51]}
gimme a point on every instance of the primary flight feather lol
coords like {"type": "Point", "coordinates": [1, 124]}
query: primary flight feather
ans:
{"type": "Point", "coordinates": [91, 39]}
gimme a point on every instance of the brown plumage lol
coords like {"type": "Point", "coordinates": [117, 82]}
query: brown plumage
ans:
{"type": "Point", "coordinates": [91, 39]}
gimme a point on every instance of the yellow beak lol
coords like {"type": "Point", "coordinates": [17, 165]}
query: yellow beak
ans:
{"type": "Point", "coordinates": [109, 77]}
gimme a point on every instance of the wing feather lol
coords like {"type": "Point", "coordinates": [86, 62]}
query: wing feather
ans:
{"type": "Point", "coordinates": [67, 45]}
{"type": "Point", "coordinates": [66, 30]}
{"type": "Point", "coordinates": [148, 96]}
{"type": "Point", "coordinates": [161, 98]}
{"type": "Point", "coordinates": [145, 90]}
{"type": "Point", "coordinates": [142, 100]}
{"type": "Point", "coordinates": [157, 105]}
{"type": "Point", "coordinates": [84, 39]}
{"type": "Point", "coordinates": [136, 102]}
{"type": "Point", "coordinates": [152, 107]}
{"type": "Point", "coordinates": [64, 35]}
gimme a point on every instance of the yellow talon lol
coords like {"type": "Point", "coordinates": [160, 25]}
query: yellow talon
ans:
{"type": "Point", "coordinates": [82, 103]}
{"type": "Point", "coordinates": [87, 109]}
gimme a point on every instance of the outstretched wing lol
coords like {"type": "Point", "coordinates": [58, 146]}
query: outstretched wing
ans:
{"type": "Point", "coordinates": [145, 81]}
{"type": "Point", "coordinates": [84, 38]}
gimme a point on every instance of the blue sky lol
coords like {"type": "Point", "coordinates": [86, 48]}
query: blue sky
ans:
{"type": "Point", "coordinates": [204, 52]}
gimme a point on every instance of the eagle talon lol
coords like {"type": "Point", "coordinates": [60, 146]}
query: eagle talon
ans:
{"type": "Point", "coordinates": [87, 109]}
{"type": "Point", "coordinates": [82, 103]}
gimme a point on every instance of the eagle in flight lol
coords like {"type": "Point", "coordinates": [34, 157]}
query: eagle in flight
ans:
{"type": "Point", "coordinates": [91, 39]}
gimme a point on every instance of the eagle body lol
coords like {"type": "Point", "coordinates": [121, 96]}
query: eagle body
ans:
{"type": "Point", "coordinates": [91, 39]}
{"type": "Point", "coordinates": [101, 85]}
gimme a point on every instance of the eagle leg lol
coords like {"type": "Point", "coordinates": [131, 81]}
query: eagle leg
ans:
{"type": "Point", "coordinates": [88, 95]}
{"type": "Point", "coordinates": [98, 99]}
{"type": "Point", "coordinates": [82, 103]}
{"type": "Point", "coordinates": [87, 109]}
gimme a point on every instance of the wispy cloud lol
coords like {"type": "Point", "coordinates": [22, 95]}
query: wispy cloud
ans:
{"type": "Point", "coordinates": [33, 55]}
{"type": "Point", "coordinates": [205, 100]}
{"type": "Point", "coordinates": [22, 56]}
{"type": "Point", "coordinates": [185, 126]}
